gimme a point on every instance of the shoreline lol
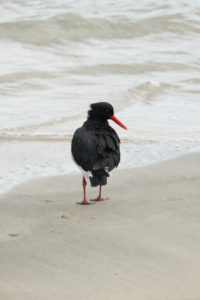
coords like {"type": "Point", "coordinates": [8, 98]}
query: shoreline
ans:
{"type": "Point", "coordinates": [143, 243]}
{"type": "Point", "coordinates": [22, 161]}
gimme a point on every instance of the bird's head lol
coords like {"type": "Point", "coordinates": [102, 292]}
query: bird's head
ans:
{"type": "Point", "coordinates": [103, 111]}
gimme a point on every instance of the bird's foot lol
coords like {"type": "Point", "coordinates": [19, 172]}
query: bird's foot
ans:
{"type": "Point", "coordinates": [85, 202]}
{"type": "Point", "coordinates": [99, 199]}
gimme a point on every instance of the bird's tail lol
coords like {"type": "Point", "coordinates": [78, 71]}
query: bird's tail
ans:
{"type": "Point", "coordinates": [99, 177]}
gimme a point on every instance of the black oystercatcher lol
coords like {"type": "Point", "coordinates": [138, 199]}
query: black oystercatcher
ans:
{"type": "Point", "coordinates": [95, 147]}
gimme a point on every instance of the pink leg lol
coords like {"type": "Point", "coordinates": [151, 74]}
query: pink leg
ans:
{"type": "Point", "coordinates": [85, 201]}
{"type": "Point", "coordinates": [99, 198]}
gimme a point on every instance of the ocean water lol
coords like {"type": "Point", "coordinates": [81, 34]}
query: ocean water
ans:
{"type": "Point", "coordinates": [59, 56]}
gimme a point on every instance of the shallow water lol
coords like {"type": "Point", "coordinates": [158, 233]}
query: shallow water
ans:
{"type": "Point", "coordinates": [58, 57]}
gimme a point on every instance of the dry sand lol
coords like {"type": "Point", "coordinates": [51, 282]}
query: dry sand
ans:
{"type": "Point", "coordinates": [143, 243]}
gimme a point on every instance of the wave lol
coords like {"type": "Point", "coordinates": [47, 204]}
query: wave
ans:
{"type": "Point", "coordinates": [18, 76]}
{"type": "Point", "coordinates": [71, 26]}
{"type": "Point", "coordinates": [68, 138]}
{"type": "Point", "coordinates": [35, 137]}
{"type": "Point", "coordinates": [134, 68]}
{"type": "Point", "coordinates": [100, 69]}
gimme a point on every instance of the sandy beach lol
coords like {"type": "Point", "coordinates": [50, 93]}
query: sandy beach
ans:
{"type": "Point", "coordinates": [141, 244]}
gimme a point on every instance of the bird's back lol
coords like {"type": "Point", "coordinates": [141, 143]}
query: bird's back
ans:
{"type": "Point", "coordinates": [95, 147]}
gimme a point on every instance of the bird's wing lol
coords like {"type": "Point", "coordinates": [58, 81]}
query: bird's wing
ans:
{"type": "Point", "coordinates": [94, 150]}
{"type": "Point", "coordinates": [84, 148]}
{"type": "Point", "coordinates": [108, 149]}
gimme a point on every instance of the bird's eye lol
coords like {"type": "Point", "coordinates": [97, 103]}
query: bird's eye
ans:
{"type": "Point", "coordinates": [107, 110]}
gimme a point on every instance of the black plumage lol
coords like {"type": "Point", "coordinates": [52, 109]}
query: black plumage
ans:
{"type": "Point", "coordinates": [96, 146]}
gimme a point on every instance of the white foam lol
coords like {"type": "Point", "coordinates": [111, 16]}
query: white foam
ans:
{"type": "Point", "coordinates": [25, 160]}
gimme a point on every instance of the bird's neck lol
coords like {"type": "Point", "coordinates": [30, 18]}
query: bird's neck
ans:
{"type": "Point", "coordinates": [95, 117]}
{"type": "Point", "coordinates": [91, 117]}
{"type": "Point", "coordinates": [96, 122]}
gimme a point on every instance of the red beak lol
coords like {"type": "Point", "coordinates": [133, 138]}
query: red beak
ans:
{"type": "Point", "coordinates": [118, 122]}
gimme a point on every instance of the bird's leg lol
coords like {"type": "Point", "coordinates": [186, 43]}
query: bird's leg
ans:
{"type": "Point", "coordinates": [85, 201]}
{"type": "Point", "coordinates": [99, 198]}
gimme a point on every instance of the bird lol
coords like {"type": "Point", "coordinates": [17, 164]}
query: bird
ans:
{"type": "Point", "coordinates": [95, 148]}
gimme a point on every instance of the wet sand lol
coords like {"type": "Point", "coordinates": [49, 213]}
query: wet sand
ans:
{"type": "Point", "coordinates": [141, 244]}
